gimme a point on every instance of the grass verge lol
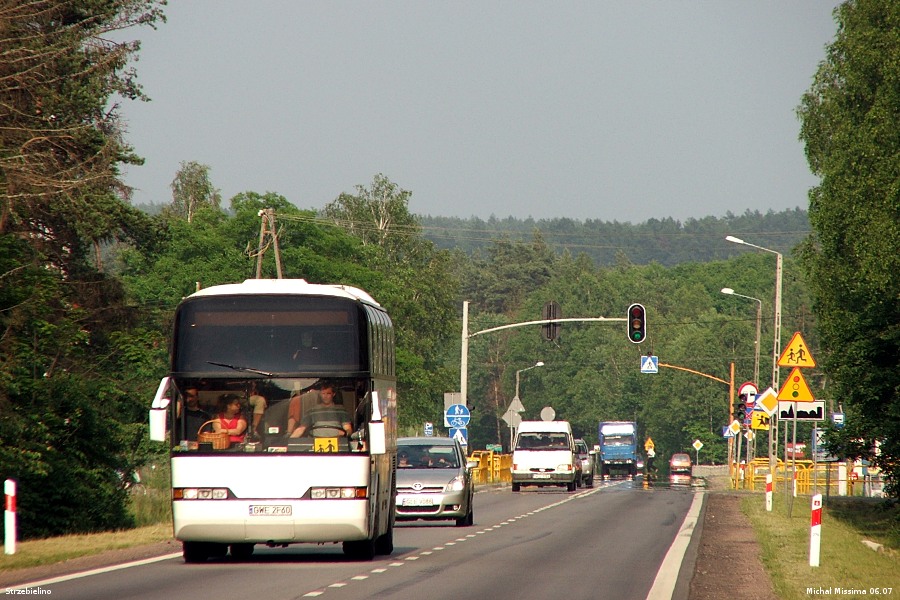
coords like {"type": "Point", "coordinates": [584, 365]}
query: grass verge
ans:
{"type": "Point", "coordinates": [847, 568]}
{"type": "Point", "coordinates": [35, 553]}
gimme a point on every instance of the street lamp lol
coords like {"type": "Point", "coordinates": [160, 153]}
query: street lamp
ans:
{"type": "Point", "coordinates": [779, 265]}
{"type": "Point", "coordinates": [537, 364]}
{"type": "Point", "coordinates": [776, 347]}
{"type": "Point", "coordinates": [731, 292]}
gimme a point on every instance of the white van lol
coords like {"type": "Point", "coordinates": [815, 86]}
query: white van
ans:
{"type": "Point", "coordinates": [544, 454]}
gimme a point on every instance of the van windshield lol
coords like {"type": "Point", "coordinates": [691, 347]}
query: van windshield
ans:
{"type": "Point", "coordinates": [542, 441]}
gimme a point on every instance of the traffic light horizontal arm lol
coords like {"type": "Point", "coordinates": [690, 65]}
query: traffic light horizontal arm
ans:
{"type": "Point", "coordinates": [546, 321]}
{"type": "Point", "coordinates": [695, 372]}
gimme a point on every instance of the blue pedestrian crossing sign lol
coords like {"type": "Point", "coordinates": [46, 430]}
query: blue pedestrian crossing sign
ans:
{"type": "Point", "coordinates": [649, 364]}
{"type": "Point", "coordinates": [458, 415]}
{"type": "Point", "coordinates": [461, 434]}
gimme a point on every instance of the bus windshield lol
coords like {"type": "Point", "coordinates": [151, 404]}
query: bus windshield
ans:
{"type": "Point", "coordinates": [268, 335]}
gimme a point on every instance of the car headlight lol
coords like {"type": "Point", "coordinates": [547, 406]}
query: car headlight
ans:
{"type": "Point", "coordinates": [457, 484]}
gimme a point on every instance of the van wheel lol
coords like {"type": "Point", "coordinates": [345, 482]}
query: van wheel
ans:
{"type": "Point", "coordinates": [571, 486]}
{"type": "Point", "coordinates": [515, 487]}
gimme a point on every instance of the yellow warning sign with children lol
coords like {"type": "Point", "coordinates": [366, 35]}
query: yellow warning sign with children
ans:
{"type": "Point", "coordinates": [796, 354]}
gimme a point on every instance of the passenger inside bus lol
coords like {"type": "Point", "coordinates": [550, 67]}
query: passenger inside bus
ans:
{"type": "Point", "coordinates": [194, 416]}
{"type": "Point", "coordinates": [230, 419]}
{"type": "Point", "coordinates": [258, 407]}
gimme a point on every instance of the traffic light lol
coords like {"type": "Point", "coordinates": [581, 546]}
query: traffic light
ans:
{"type": "Point", "coordinates": [740, 410]}
{"type": "Point", "coordinates": [550, 331]}
{"type": "Point", "coordinates": [637, 323]}
{"type": "Point", "coordinates": [745, 401]}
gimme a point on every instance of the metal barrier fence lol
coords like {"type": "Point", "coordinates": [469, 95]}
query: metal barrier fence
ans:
{"type": "Point", "coordinates": [493, 467]}
{"type": "Point", "coordinates": [807, 477]}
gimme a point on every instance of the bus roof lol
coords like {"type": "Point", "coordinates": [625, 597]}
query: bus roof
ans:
{"type": "Point", "coordinates": [286, 286]}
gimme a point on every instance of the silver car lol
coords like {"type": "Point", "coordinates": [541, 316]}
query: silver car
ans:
{"type": "Point", "coordinates": [434, 480]}
{"type": "Point", "coordinates": [586, 460]}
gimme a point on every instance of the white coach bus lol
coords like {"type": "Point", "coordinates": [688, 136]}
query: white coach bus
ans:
{"type": "Point", "coordinates": [274, 346]}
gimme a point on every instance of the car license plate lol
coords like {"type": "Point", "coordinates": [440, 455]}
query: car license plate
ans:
{"type": "Point", "coordinates": [541, 476]}
{"type": "Point", "coordinates": [270, 510]}
{"type": "Point", "coordinates": [418, 502]}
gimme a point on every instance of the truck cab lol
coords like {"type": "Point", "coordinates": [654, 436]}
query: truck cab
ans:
{"type": "Point", "coordinates": [618, 449]}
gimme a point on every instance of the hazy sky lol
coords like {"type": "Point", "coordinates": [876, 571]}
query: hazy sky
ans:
{"type": "Point", "coordinates": [618, 111]}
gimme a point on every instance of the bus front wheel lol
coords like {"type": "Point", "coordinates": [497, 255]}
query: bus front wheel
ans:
{"type": "Point", "coordinates": [384, 545]}
{"type": "Point", "coordinates": [241, 551]}
{"type": "Point", "coordinates": [360, 550]}
{"type": "Point", "coordinates": [194, 552]}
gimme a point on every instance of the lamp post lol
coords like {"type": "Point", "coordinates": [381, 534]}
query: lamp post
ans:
{"type": "Point", "coordinates": [537, 364]}
{"type": "Point", "coordinates": [731, 292]}
{"type": "Point", "coordinates": [514, 421]}
{"type": "Point", "coordinates": [776, 346]}
{"type": "Point", "coordinates": [779, 265]}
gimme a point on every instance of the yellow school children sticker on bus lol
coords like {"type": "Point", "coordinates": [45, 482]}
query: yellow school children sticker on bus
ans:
{"type": "Point", "coordinates": [329, 444]}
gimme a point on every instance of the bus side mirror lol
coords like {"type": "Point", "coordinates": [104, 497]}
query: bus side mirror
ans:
{"type": "Point", "coordinates": [159, 410]}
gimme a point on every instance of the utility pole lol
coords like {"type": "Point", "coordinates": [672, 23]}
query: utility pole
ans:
{"type": "Point", "coordinates": [267, 229]}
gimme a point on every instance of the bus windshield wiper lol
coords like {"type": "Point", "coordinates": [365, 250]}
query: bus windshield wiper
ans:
{"type": "Point", "coordinates": [245, 369]}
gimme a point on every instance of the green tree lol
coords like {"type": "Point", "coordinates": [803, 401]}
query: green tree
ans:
{"type": "Point", "coordinates": [192, 189]}
{"type": "Point", "coordinates": [851, 128]}
{"type": "Point", "coordinates": [63, 420]}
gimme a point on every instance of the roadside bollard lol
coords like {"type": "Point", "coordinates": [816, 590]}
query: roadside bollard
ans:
{"type": "Point", "coordinates": [815, 531]}
{"type": "Point", "coordinates": [9, 517]}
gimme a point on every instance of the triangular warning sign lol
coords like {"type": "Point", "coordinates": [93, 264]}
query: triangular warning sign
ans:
{"type": "Point", "coordinates": [796, 354]}
{"type": "Point", "coordinates": [795, 388]}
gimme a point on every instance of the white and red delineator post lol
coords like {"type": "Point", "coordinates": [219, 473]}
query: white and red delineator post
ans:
{"type": "Point", "coordinates": [815, 530]}
{"type": "Point", "coordinates": [9, 517]}
{"type": "Point", "coordinates": [769, 492]}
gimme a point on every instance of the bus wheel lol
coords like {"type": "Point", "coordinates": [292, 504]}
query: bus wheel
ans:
{"type": "Point", "coordinates": [385, 544]}
{"type": "Point", "coordinates": [194, 552]}
{"type": "Point", "coordinates": [241, 551]}
{"type": "Point", "coordinates": [360, 550]}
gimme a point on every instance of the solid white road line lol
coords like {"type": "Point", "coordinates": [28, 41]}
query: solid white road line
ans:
{"type": "Point", "coordinates": [80, 574]}
{"type": "Point", "coordinates": [664, 584]}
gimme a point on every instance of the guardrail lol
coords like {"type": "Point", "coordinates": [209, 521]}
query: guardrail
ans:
{"type": "Point", "coordinates": [493, 467]}
{"type": "Point", "coordinates": [807, 477]}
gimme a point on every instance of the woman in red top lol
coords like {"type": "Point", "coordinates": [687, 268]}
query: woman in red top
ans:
{"type": "Point", "coordinates": [230, 420]}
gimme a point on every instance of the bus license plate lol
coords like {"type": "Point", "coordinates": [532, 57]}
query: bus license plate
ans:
{"type": "Point", "coordinates": [270, 510]}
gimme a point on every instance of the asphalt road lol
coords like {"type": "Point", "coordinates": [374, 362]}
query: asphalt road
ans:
{"type": "Point", "coordinates": [605, 542]}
